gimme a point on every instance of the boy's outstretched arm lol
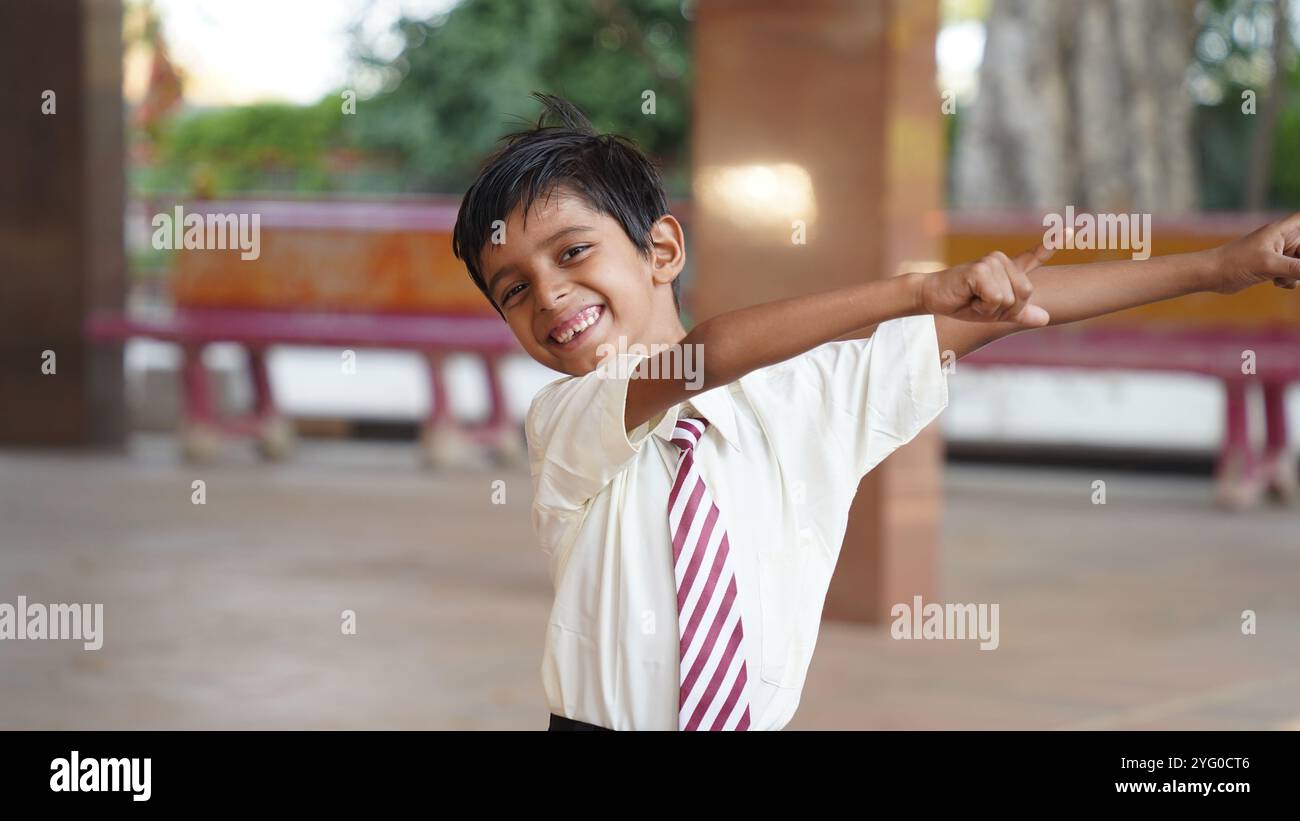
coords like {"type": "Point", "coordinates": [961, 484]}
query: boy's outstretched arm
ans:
{"type": "Point", "coordinates": [738, 342]}
{"type": "Point", "coordinates": [1069, 293]}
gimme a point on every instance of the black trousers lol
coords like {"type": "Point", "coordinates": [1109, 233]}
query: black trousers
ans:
{"type": "Point", "coordinates": [562, 723]}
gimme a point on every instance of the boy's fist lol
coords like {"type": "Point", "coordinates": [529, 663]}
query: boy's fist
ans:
{"type": "Point", "coordinates": [1269, 253]}
{"type": "Point", "coordinates": [995, 288]}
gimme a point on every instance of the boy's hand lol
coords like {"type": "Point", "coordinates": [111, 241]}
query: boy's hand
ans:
{"type": "Point", "coordinates": [992, 289]}
{"type": "Point", "coordinates": [1268, 253]}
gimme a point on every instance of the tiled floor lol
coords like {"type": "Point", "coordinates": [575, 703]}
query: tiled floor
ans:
{"type": "Point", "coordinates": [227, 615]}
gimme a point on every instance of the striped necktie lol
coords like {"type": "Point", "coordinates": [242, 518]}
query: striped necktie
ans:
{"type": "Point", "coordinates": [713, 675]}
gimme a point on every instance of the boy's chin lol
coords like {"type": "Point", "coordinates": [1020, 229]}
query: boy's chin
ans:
{"type": "Point", "coordinates": [575, 367]}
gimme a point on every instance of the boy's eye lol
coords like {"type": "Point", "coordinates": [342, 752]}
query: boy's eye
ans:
{"type": "Point", "coordinates": [568, 251]}
{"type": "Point", "coordinates": [564, 257]}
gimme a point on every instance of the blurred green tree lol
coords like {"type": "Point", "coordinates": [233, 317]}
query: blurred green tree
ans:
{"type": "Point", "coordinates": [1247, 83]}
{"type": "Point", "coordinates": [243, 148]}
{"type": "Point", "coordinates": [450, 92]}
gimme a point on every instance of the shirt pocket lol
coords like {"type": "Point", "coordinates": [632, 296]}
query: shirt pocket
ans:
{"type": "Point", "coordinates": [783, 571]}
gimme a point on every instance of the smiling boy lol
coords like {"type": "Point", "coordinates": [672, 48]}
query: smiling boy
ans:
{"type": "Point", "coordinates": [692, 525]}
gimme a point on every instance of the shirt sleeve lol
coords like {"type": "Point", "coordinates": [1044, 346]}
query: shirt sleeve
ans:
{"type": "Point", "coordinates": [577, 442]}
{"type": "Point", "coordinates": [877, 393]}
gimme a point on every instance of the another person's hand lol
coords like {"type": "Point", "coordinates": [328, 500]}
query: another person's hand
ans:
{"type": "Point", "coordinates": [995, 288]}
{"type": "Point", "coordinates": [1268, 253]}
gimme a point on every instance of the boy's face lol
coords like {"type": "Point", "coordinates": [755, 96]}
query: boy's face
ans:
{"type": "Point", "coordinates": [572, 265]}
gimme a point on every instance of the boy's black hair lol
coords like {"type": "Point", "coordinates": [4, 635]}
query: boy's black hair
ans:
{"type": "Point", "coordinates": [608, 171]}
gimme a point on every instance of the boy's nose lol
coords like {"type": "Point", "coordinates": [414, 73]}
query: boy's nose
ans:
{"type": "Point", "coordinates": [551, 291]}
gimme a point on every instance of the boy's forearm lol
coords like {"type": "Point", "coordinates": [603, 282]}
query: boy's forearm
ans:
{"type": "Point", "coordinates": [1070, 293]}
{"type": "Point", "coordinates": [740, 341]}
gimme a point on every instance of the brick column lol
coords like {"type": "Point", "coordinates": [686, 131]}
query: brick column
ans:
{"type": "Point", "coordinates": [833, 105]}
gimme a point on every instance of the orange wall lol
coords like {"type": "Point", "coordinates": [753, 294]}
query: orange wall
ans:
{"type": "Point", "coordinates": [332, 270]}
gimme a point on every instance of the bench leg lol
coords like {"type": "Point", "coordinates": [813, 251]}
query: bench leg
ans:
{"type": "Point", "coordinates": [1237, 474]}
{"type": "Point", "coordinates": [200, 435]}
{"type": "Point", "coordinates": [275, 434]}
{"type": "Point", "coordinates": [263, 401]}
{"type": "Point", "coordinates": [508, 448]}
{"type": "Point", "coordinates": [1279, 458]}
{"type": "Point", "coordinates": [441, 442]}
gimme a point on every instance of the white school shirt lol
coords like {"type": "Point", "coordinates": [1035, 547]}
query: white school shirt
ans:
{"type": "Point", "coordinates": [783, 455]}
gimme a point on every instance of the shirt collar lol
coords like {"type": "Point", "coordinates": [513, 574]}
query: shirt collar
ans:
{"type": "Point", "coordinates": [715, 405]}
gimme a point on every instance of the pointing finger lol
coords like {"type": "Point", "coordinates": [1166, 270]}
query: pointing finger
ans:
{"type": "Point", "coordinates": [1032, 258]}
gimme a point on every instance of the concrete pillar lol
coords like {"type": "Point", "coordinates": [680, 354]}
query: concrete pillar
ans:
{"type": "Point", "coordinates": [62, 189]}
{"type": "Point", "coordinates": [826, 111]}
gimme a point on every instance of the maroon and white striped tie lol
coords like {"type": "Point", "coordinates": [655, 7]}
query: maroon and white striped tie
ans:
{"type": "Point", "coordinates": [713, 675]}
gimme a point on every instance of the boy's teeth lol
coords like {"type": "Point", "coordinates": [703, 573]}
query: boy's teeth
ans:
{"type": "Point", "coordinates": [576, 329]}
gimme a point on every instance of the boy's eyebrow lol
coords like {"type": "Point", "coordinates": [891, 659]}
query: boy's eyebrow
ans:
{"type": "Point", "coordinates": [563, 232]}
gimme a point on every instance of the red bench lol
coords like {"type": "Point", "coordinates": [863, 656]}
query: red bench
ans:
{"type": "Point", "coordinates": [1243, 472]}
{"type": "Point", "coordinates": [1204, 334]}
{"type": "Point", "coordinates": [434, 337]}
{"type": "Point", "coordinates": [353, 275]}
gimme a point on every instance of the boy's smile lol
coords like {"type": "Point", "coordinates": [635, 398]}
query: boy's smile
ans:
{"type": "Point", "coordinates": [571, 330]}
{"type": "Point", "coordinates": [571, 279]}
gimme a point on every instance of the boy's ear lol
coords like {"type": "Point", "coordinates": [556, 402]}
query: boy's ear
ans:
{"type": "Point", "coordinates": [667, 249]}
